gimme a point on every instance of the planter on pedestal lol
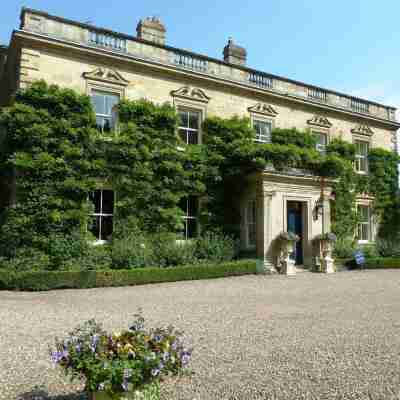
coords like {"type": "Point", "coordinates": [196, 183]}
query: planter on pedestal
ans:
{"type": "Point", "coordinates": [287, 240]}
{"type": "Point", "coordinates": [326, 242]}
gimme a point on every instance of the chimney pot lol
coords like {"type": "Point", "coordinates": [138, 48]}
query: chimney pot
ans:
{"type": "Point", "coordinates": [151, 29]}
{"type": "Point", "coordinates": [234, 54]}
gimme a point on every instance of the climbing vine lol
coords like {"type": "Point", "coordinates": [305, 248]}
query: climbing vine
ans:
{"type": "Point", "coordinates": [50, 144]}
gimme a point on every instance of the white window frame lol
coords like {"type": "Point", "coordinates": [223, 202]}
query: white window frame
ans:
{"type": "Point", "coordinates": [198, 130]}
{"type": "Point", "coordinates": [113, 117]}
{"type": "Point", "coordinates": [318, 146]}
{"type": "Point", "coordinates": [364, 223]}
{"type": "Point", "coordinates": [186, 217]}
{"type": "Point", "coordinates": [359, 157]}
{"type": "Point", "coordinates": [250, 224]}
{"type": "Point", "coordinates": [102, 215]}
{"type": "Point", "coordinates": [262, 120]}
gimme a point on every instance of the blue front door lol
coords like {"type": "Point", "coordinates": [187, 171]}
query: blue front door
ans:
{"type": "Point", "coordinates": [295, 225]}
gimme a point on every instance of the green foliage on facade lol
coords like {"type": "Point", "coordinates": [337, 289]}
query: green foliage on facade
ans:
{"type": "Point", "coordinates": [57, 156]}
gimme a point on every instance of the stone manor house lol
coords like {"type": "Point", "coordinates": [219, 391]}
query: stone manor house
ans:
{"type": "Point", "coordinates": [108, 66]}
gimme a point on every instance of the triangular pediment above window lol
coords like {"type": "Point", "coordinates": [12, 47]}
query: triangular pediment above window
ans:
{"type": "Point", "coordinates": [106, 74]}
{"type": "Point", "coordinates": [319, 120]}
{"type": "Point", "coordinates": [262, 108]}
{"type": "Point", "coordinates": [191, 93]}
{"type": "Point", "coordinates": [363, 130]}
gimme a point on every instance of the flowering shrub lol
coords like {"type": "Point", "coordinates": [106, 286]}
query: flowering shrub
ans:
{"type": "Point", "coordinates": [328, 236]}
{"type": "Point", "coordinates": [121, 361]}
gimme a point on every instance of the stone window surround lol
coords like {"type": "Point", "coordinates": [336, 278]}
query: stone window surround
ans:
{"type": "Point", "coordinates": [102, 186]}
{"type": "Point", "coordinates": [365, 139]}
{"type": "Point", "coordinates": [325, 131]}
{"type": "Point", "coordinates": [245, 220]}
{"type": "Point", "coordinates": [106, 88]}
{"type": "Point", "coordinates": [262, 118]}
{"type": "Point", "coordinates": [367, 202]}
{"type": "Point", "coordinates": [192, 105]}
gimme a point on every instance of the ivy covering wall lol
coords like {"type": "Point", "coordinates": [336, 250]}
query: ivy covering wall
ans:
{"type": "Point", "coordinates": [51, 146]}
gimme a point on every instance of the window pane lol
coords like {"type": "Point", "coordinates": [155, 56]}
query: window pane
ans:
{"type": "Point", "coordinates": [183, 133]}
{"type": "Point", "coordinates": [192, 137]}
{"type": "Point", "coordinates": [106, 228]}
{"type": "Point", "coordinates": [108, 202]}
{"type": "Point", "coordinates": [98, 102]}
{"type": "Point", "coordinates": [193, 120]}
{"type": "Point", "coordinates": [191, 228]}
{"type": "Point", "coordinates": [252, 234]}
{"type": "Point", "coordinates": [94, 227]}
{"type": "Point", "coordinates": [95, 198]}
{"type": "Point", "coordinates": [192, 206]}
{"type": "Point", "coordinates": [111, 101]}
{"type": "Point", "coordinates": [183, 205]}
{"type": "Point", "coordinates": [184, 121]}
{"type": "Point", "coordinates": [100, 123]}
{"type": "Point", "coordinates": [263, 131]}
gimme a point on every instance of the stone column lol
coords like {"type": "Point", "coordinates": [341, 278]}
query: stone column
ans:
{"type": "Point", "coordinates": [263, 226]}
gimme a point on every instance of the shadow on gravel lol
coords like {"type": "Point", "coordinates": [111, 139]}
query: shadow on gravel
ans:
{"type": "Point", "coordinates": [41, 394]}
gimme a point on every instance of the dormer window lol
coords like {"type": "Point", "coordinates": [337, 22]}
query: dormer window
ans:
{"type": "Point", "coordinates": [103, 104]}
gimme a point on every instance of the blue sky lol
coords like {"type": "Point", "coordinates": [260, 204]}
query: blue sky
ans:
{"type": "Point", "coordinates": [350, 46]}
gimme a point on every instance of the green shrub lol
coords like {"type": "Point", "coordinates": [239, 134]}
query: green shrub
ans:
{"type": "Point", "coordinates": [26, 259]}
{"type": "Point", "coordinates": [62, 249]}
{"type": "Point", "coordinates": [130, 247]}
{"type": "Point", "coordinates": [381, 262]}
{"type": "Point", "coordinates": [388, 247]}
{"type": "Point", "coordinates": [96, 258]}
{"type": "Point", "coordinates": [168, 250]}
{"type": "Point", "coordinates": [215, 246]}
{"type": "Point", "coordinates": [344, 248]}
{"type": "Point", "coordinates": [48, 280]}
{"type": "Point", "coordinates": [369, 250]}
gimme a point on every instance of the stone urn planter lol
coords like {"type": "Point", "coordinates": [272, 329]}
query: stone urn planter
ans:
{"type": "Point", "coordinates": [122, 365]}
{"type": "Point", "coordinates": [325, 246]}
{"type": "Point", "coordinates": [287, 241]}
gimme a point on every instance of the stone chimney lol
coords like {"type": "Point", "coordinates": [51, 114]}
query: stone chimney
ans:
{"type": "Point", "coordinates": [234, 54]}
{"type": "Point", "coordinates": [151, 29]}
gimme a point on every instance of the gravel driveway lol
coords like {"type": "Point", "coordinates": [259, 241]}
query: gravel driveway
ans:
{"type": "Point", "coordinates": [311, 336]}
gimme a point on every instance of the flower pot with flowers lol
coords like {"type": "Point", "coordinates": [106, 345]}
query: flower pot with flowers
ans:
{"type": "Point", "coordinates": [122, 365]}
{"type": "Point", "coordinates": [287, 241]}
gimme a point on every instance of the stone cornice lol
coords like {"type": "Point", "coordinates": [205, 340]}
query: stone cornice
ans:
{"type": "Point", "coordinates": [20, 34]}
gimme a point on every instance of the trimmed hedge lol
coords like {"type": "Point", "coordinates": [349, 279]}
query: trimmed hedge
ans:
{"type": "Point", "coordinates": [371, 263]}
{"type": "Point", "coordinates": [378, 263]}
{"type": "Point", "coordinates": [48, 280]}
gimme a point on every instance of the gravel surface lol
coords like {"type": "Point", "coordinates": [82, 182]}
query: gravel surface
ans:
{"type": "Point", "coordinates": [311, 336]}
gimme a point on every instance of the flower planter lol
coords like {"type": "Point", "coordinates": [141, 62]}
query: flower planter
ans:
{"type": "Point", "coordinates": [150, 392]}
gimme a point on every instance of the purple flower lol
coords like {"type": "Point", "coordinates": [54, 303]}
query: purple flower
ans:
{"type": "Point", "coordinates": [175, 345]}
{"type": "Point", "coordinates": [185, 357]}
{"type": "Point", "coordinates": [165, 356]}
{"type": "Point", "coordinates": [155, 371]}
{"type": "Point", "coordinates": [56, 356]}
{"type": "Point", "coordinates": [94, 341]}
{"type": "Point", "coordinates": [100, 387]}
{"type": "Point", "coordinates": [125, 385]}
{"type": "Point", "coordinates": [158, 338]}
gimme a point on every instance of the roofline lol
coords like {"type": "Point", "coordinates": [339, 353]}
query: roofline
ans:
{"type": "Point", "coordinates": [189, 52]}
{"type": "Point", "coordinates": [156, 64]}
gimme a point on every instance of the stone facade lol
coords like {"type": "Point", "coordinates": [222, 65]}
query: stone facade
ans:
{"type": "Point", "coordinates": [84, 58]}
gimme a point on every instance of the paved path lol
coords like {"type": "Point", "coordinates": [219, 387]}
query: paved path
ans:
{"type": "Point", "coordinates": [310, 336]}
